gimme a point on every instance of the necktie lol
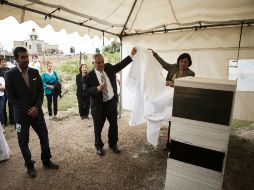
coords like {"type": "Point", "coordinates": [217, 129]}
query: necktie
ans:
{"type": "Point", "coordinates": [105, 91]}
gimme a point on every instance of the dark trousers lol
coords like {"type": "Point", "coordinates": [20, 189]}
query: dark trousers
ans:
{"type": "Point", "coordinates": [83, 105]}
{"type": "Point", "coordinates": [108, 111]}
{"type": "Point", "coordinates": [2, 101]}
{"type": "Point", "coordinates": [11, 112]}
{"type": "Point", "coordinates": [51, 97]}
{"type": "Point", "coordinates": [169, 140]}
{"type": "Point", "coordinates": [39, 126]}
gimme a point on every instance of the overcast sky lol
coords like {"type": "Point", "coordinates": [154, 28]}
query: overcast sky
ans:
{"type": "Point", "coordinates": [11, 30]}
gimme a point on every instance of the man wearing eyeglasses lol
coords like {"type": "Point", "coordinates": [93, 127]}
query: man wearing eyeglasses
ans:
{"type": "Point", "coordinates": [102, 88]}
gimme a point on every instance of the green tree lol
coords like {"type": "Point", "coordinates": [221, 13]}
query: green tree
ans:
{"type": "Point", "coordinates": [112, 52]}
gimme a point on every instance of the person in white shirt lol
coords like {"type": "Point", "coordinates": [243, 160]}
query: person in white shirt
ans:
{"type": "Point", "coordinates": [2, 99]}
{"type": "Point", "coordinates": [35, 63]}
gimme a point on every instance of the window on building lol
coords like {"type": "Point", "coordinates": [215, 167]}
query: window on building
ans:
{"type": "Point", "coordinates": [30, 47]}
{"type": "Point", "coordinates": [26, 44]}
{"type": "Point", "coordinates": [243, 72]}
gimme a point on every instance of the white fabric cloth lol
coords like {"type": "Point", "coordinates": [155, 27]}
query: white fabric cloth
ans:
{"type": "Point", "coordinates": [4, 148]}
{"type": "Point", "coordinates": [152, 100]}
{"type": "Point", "coordinates": [2, 83]}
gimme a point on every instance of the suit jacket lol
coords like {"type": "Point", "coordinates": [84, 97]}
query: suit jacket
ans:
{"type": "Point", "coordinates": [22, 97]}
{"type": "Point", "coordinates": [92, 82]}
{"type": "Point", "coordinates": [171, 68]}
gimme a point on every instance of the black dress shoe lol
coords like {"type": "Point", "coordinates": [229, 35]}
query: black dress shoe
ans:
{"type": "Point", "coordinates": [100, 152]}
{"type": "Point", "coordinates": [115, 150]}
{"type": "Point", "coordinates": [31, 172]}
{"type": "Point", "coordinates": [50, 165]}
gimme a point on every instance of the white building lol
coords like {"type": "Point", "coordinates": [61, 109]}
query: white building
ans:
{"type": "Point", "coordinates": [36, 46]}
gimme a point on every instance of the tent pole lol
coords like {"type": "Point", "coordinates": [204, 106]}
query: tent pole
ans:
{"type": "Point", "coordinates": [239, 45]}
{"type": "Point", "coordinates": [121, 56]}
{"type": "Point", "coordinates": [199, 26]}
{"type": "Point", "coordinates": [121, 81]}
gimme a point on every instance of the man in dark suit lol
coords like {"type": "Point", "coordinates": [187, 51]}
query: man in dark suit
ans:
{"type": "Point", "coordinates": [101, 84]}
{"type": "Point", "coordinates": [25, 91]}
{"type": "Point", "coordinates": [3, 71]}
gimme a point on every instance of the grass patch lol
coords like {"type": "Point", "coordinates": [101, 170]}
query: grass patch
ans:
{"type": "Point", "coordinates": [69, 100]}
{"type": "Point", "coordinates": [67, 73]}
{"type": "Point", "coordinates": [243, 125]}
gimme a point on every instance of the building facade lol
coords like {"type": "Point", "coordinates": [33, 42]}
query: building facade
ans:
{"type": "Point", "coordinates": [36, 46]}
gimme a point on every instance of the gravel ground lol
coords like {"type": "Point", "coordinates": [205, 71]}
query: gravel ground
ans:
{"type": "Point", "coordinates": [139, 166]}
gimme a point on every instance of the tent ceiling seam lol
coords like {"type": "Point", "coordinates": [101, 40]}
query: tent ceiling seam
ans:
{"type": "Point", "coordinates": [22, 16]}
{"type": "Point", "coordinates": [100, 21]}
{"type": "Point", "coordinates": [132, 8]}
{"type": "Point", "coordinates": [135, 17]}
{"type": "Point", "coordinates": [173, 11]}
{"type": "Point", "coordinates": [112, 12]}
{"type": "Point", "coordinates": [53, 16]}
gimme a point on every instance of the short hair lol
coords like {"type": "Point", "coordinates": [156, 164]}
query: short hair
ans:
{"type": "Point", "coordinates": [95, 56]}
{"type": "Point", "coordinates": [17, 50]}
{"type": "Point", "coordinates": [48, 62]}
{"type": "Point", "coordinates": [183, 56]}
{"type": "Point", "coordinates": [35, 56]}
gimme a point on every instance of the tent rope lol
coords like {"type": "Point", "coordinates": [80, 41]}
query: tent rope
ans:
{"type": "Point", "coordinates": [49, 15]}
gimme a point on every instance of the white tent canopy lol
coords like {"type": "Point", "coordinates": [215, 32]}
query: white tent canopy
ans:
{"type": "Point", "coordinates": [134, 16]}
{"type": "Point", "coordinates": [209, 30]}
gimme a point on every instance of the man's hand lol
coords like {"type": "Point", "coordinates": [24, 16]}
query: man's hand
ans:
{"type": "Point", "coordinates": [170, 83]}
{"type": "Point", "coordinates": [133, 51]}
{"type": "Point", "coordinates": [101, 87]}
{"type": "Point", "coordinates": [33, 112]}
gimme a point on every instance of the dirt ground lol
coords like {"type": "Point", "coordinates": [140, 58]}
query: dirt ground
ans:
{"type": "Point", "coordinates": [139, 166]}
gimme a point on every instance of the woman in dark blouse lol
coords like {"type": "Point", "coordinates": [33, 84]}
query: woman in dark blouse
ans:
{"type": "Point", "coordinates": [178, 70]}
{"type": "Point", "coordinates": [82, 93]}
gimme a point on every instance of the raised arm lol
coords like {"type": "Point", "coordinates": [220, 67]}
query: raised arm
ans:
{"type": "Point", "coordinates": [119, 66]}
{"type": "Point", "coordinates": [164, 64]}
